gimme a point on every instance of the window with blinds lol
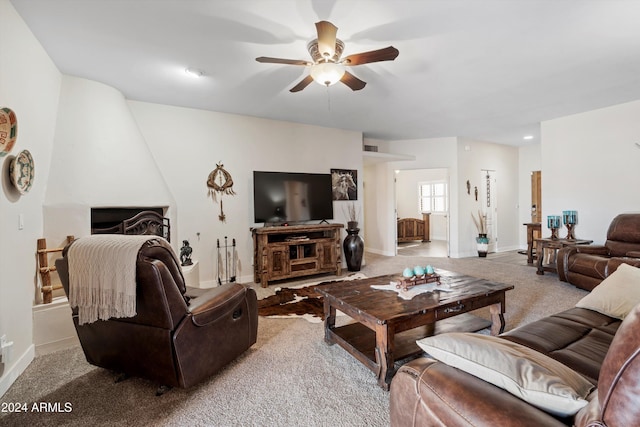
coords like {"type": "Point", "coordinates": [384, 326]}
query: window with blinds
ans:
{"type": "Point", "coordinates": [433, 196]}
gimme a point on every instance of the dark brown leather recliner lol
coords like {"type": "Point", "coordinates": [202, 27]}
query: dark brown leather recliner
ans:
{"type": "Point", "coordinates": [585, 266]}
{"type": "Point", "coordinates": [171, 340]}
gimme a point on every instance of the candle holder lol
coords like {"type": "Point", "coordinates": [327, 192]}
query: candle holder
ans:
{"type": "Point", "coordinates": [570, 219]}
{"type": "Point", "coordinates": [554, 223]}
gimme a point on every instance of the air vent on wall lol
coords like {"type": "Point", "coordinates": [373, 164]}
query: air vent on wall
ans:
{"type": "Point", "coordinates": [373, 148]}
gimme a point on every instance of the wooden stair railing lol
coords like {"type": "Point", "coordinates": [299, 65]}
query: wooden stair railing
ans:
{"type": "Point", "coordinates": [45, 270]}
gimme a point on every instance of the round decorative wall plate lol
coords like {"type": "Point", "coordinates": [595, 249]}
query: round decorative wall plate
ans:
{"type": "Point", "coordinates": [8, 130]}
{"type": "Point", "coordinates": [22, 171]}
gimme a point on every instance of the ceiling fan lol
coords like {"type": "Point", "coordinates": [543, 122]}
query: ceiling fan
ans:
{"type": "Point", "coordinates": [327, 68]}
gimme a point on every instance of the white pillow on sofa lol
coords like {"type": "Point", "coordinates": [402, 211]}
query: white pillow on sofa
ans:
{"type": "Point", "coordinates": [616, 295]}
{"type": "Point", "coordinates": [533, 377]}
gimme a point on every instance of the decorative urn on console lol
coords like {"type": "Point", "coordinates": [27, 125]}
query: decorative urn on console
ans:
{"type": "Point", "coordinates": [353, 245]}
{"type": "Point", "coordinates": [353, 248]}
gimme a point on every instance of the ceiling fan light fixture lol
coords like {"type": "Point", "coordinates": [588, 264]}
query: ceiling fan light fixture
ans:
{"type": "Point", "coordinates": [327, 73]}
{"type": "Point", "coordinates": [327, 68]}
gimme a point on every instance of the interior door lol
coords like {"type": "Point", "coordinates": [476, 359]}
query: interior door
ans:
{"type": "Point", "coordinates": [536, 196]}
{"type": "Point", "coordinates": [489, 205]}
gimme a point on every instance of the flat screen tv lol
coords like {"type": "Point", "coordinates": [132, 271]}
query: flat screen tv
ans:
{"type": "Point", "coordinates": [283, 197]}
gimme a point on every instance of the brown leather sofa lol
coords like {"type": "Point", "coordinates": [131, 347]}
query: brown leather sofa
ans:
{"type": "Point", "coordinates": [172, 340]}
{"type": "Point", "coordinates": [585, 266]}
{"type": "Point", "coordinates": [605, 350]}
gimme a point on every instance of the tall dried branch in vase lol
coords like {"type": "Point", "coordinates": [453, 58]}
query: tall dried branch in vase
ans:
{"type": "Point", "coordinates": [480, 221]}
{"type": "Point", "coordinates": [352, 212]}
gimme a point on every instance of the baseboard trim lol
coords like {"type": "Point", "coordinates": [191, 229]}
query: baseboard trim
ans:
{"type": "Point", "coordinates": [510, 248]}
{"type": "Point", "coordinates": [208, 284]}
{"type": "Point", "coordinates": [61, 344]}
{"type": "Point", "coordinates": [466, 254]}
{"type": "Point", "coordinates": [17, 369]}
{"type": "Point", "coordinates": [380, 252]}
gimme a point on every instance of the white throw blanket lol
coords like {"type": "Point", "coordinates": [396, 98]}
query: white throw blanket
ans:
{"type": "Point", "coordinates": [102, 276]}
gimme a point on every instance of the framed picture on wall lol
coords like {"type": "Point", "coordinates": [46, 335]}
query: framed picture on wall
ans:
{"type": "Point", "coordinates": [344, 184]}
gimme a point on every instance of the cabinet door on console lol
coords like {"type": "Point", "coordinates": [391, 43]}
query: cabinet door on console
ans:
{"type": "Point", "coordinates": [278, 260]}
{"type": "Point", "coordinates": [327, 255]}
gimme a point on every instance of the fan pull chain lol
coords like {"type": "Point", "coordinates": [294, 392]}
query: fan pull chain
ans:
{"type": "Point", "coordinates": [328, 99]}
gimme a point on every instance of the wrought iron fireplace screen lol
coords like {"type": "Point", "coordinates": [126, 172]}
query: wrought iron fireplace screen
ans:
{"type": "Point", "coordinates": [147, 221]}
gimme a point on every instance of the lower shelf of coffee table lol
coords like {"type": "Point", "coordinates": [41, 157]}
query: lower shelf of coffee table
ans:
{"type": "Point", "coordinates": [363, 340]}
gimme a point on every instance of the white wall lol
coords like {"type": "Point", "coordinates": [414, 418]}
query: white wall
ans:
{"type": "Point", "coordinates": [591, 163]}
{"type": "Point", "coordinates": [464, 159]}
{"type": "Point", "coordinates": [379, 212]}
{"type": "Point", "coordinates": [463, 165]}
{"type": "Point", "coordinates": [407, 196]}
{"type": "Point", "coordinates": [29, 84]}
{"type": "Point", "coordinates": [94, 167]}
{"type": "Point", "coordinates": [433, 153]}
{"type": "Point", "coordinates": [381, 145]}
{"type": "Point", "coordinates": [473, 157]}
{"type": "Point", "coordinates": [187, 144]}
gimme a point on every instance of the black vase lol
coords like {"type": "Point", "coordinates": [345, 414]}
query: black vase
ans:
{"type": "Point", "coordinates": [353, 247]}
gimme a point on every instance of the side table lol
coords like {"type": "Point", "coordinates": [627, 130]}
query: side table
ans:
{"type": "Point", "coordinates": [534, 231]}
{"type": "Point", "coordinates": [553, 245]}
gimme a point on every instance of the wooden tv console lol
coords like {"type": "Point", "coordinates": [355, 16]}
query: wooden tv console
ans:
{"type": "Point", "coordinates": [285, 252]}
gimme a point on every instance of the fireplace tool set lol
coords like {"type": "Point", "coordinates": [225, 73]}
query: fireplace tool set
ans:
{"type": "Point", "coordinates": [226, 261]}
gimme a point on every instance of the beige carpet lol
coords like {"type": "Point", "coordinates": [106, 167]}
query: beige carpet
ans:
{"type": "Point", "coordinates": [289, 378]}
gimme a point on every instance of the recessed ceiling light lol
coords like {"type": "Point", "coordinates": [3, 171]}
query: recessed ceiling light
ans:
{"type": "Point", "coordinates": [528, 137]}
{"type": "Point", "coordinates": [194, 72]}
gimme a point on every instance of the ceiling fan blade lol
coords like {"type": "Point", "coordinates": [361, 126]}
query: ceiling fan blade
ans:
{"type": "Point", "coordinates": [266, 59]}
{"type": "Point", "coordinates": [326, 38]}
{"type": "Point", "coordinates": [303, 83]}
{"type": "Point", "coordinates": [352, 81]}
{"type": "Point", "coordinates": [387, 54]}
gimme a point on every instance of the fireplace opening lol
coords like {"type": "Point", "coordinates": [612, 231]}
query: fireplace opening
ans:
{"type": "Point", "coordinates": [140, 220]}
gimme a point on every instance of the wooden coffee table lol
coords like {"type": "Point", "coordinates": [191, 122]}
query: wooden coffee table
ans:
{"type": "Point", "coordinates": [388, 326]}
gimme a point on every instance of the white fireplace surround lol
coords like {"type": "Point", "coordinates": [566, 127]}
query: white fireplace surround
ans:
{"type": "Point", "coordinates": [100, 159]}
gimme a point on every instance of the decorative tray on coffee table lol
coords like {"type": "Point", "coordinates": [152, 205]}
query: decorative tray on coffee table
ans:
{"type": "Point", "coordinates": [406, 283]}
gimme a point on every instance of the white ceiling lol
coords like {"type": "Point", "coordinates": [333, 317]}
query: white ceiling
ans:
{"type": "Point", "coordinates": [484, 69]}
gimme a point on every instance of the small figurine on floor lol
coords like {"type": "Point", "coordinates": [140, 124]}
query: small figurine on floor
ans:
{"type": "Point", "coordinates": [185, 253]}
